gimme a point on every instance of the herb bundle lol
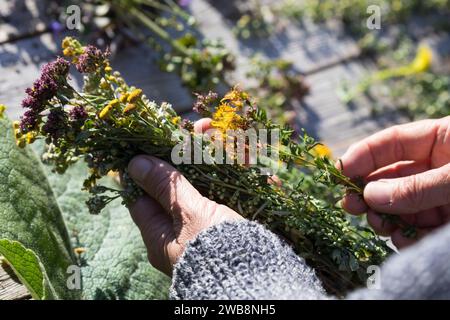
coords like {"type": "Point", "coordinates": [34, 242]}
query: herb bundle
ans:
{"type": "Point", "coordinates": [109, 122]}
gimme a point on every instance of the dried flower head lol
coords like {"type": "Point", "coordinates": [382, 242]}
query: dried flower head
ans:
{"type": "Point", "coordinates": [53, 78]}
{"type": "Point", "coordinates": [78, 113]}
{"type": "Point", "coordinates": [226, 118]}
{"type": "Point", "coordinates": [90, 60]}
{"type": "Point", "coordinates": [56, 124]}
{"type": "Point", "coordinates": [201, 106]}
{"type": "Point", "coordinates": [29, 120]}
{"type": "Point", "coordinates": [187, 124]}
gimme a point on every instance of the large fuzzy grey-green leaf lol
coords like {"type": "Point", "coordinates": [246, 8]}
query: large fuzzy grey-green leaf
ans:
{"type": "Point", "coordinates": [115, 264]}
{"type": "Point", "coordinates": [30, 216]}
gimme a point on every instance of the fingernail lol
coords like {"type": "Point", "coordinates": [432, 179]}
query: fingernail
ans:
{"type": "Point", "coordinates": [339, 164]}
{"type": "Point", "coordinates": [378, 193]}
{"type": "Point", "coordinates": [138, 168]}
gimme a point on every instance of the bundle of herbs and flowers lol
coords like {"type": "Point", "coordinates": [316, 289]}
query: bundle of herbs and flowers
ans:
{"type": "Point", "coordinates": [108, 122]}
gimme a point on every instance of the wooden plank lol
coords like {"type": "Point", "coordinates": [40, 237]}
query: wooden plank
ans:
{"type": "Point", "coordinates": [20, 18]}
{"type": "Point", "coordinates": [10, 287]}
{"type": "Point", "coordinates": [212, 25]}
{"type": "Point", "coordinates": [309, 46]}
{"type": "Point", "coordinates": [19, 66]}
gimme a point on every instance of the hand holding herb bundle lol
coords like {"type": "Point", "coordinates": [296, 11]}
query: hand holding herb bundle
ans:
{"type": "Point", "coordinates": [110, 122]}
{"type": "Point", "coordinates": [173, 213]}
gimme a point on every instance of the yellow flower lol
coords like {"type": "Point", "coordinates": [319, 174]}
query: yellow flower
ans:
{"type": "Point", "coordinates": [71, 47]}
{"type": "Point", "coordinates": [421, 63]}
{"type": "Point", "coordinates": [235, 97]}
{"type": "Point", "coordinates": [68, 52]}
{"type": "Point", "coordinates": [30, 137]}
{"type": "Point", "coordinates": [79, 250]}
{"type": "Point", "coordinates": [106, 110]}
{"type": "Point", "coordinates": [225, 118]}
{"type": "Point", "coordinates": [21, 142]}
{"type": "Point", "coordinates": [123, 97]}
{"type": "Point", "coordinates": [176, 120]}
{"type": "Point", "coordinates": [134, 95]}
{"type": "Point", "coordinates": [321, 150]}
{"type": "Point", "coordinates": [2, 110]}
{"type": "Point", "coordinates": [16, 125]}
{"type": "Point", "coordinates": [104, 84]}
{"type": "Point", "coordinates": [108, 69]}
{"type": "Point", "coordinates": [129, 107]}
{"type": "Point", "coordinates": [114, 102]}
{"type": "Point", "coordinates": [66, 42]}
{"type": "Point", "coordinates": [231, 95]}
{"type": "Point", "coordinates": [423, 59]}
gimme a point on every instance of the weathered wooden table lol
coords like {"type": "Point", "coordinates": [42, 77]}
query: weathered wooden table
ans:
{"type": "Point", "coordinates": [324, 53]}
{"type": "Point", "coordinates": [10, 287]}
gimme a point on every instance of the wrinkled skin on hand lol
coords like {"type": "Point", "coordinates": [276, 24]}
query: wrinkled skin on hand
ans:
{"type": "Point", "coordinates": [407, 170]}
{"type": "Point", "coordinates": [172, 212]}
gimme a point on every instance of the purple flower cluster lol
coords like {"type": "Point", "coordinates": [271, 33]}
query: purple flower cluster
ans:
{"type": "Point", "coordinates": [187, 125]}
{"type": "Point", "coordinates": [56, 124]}
{"type": "Point", "coordinates": [29, 120]}
{"type": "Point", "coordinates": [78, 114]}
{"type": "Point", "coordinates": [201, 106]}
{"type": "Point", "coordinates": [184, 3]}
{"type": "Point", "coordinates": [90, 59]}
{"type": "Point", "coordinates": [53, 74]}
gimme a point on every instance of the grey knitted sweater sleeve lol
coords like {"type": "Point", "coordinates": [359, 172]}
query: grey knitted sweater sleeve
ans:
{"type": "Point", "coordinates": [243, 260]}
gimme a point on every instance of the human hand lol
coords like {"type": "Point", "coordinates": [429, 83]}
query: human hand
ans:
{"type": "Point", "coordinates": [407, 168]}
{"type": "Point", "coordinates": [172, 212]}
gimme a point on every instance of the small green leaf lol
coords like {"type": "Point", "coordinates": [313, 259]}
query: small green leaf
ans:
{"type": "Point", "coordinates": [26, 266]}
{"type": "Point", "coordinates": [353, 263]}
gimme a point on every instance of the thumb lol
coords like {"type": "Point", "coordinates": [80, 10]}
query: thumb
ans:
{"type": "Point", "coordinates": [410, 194]}
{"type": "Point", "coordinates": [165, 184]}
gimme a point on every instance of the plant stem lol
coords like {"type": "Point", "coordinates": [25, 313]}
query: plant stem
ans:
{"type": "Point", "coordinates": [159, 31]}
